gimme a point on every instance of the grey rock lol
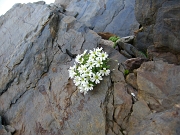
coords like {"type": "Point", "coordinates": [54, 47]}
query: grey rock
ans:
{"type": "Point", "coordinates": [40, 2]}
{"type": "Point", "coordinates": [130, 49]}
{"type": "Point", "coordinates": [160, 21]}
{"type": "Point", "coordinates": [70, 13]}
{"type": "Point", "coordinates": [126, 47]}
{"type": "Point", "coordinates": [1, 127]}
{"type": "Point", "coordinates": [107, 16]}
{"type": "Point", "coordinates": [144, 39]}
{"type": "Point", "coordinates": [128, 39]}
{"type": "Point", "coordinates": [167, 125]}
{"type": "Point", "coordinates": [160, 54]}
{"type": "Point", "coordinates": [37, 95]}
{"type": "Point", "coordinates": [106, 42]}
{"type": "Point", "coordinates": [57, 8]}
{"type": "Point", "coordinates": [127, 55]}
{"type": "Point", "coordinates": [64, 3]}
{"type": "Point", "coordinates": [166, 29]}
{"type": "Point", "coordinates": [9, 129]}
{"type": "Point", "coordinates": [146, 11]}
{"type": "Point", "coordinates": [121, 100]}
{"type": "Point", "coordinates": [134, 63]}
{"type": "Point", "coordinates": [131, 79]}
{"type": "Point", "coordinates": [4, 132]}
{"type": "Point", "coordinates": [114, 54]}
{"type": "Point", "coordinates": [158, 101]}
{"type": "Point", "coordinates": [158, 84]}
{"type": "Point", "coordinates": [35, 86]}
{"type": "Point", "coordinates": [145, 111]}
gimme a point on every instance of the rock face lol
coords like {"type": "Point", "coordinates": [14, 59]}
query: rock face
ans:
{"type": "Point", "coordinates": [36, 94]}
{"type": "Point", "coordinates": [160, 83]}
{"type": "Point", "coordinates": [159, 101]}
{"type": "Point", "coordinates": [38, 97]}
{"type": "Point", "coordinates": [166, 29]}
{"type": "Point", "coordinates": [64, 3]}
{"type": "Point", "coordinates": [160, 20]}
{"type": "Point", "coordinates": [105, 15]}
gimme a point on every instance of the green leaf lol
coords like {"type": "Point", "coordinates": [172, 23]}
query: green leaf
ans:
{"type": "Point", "coordinates": [126, 72]}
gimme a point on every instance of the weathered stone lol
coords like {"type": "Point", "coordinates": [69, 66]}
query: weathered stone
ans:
{"type": "Point", "coordinates": [130, 49]}
{"type": "Point", "coordinates": [165, 123]}
{"type": "Point", "coordinates": [4, 132]}
{"type": "Point", "coordinates": [127, 55]}
{"type": "Point", "coordinates": [146, 11]}
{"type": "Point", "coordinates": [116, 129]}
{"type": "Point", "coordinates": [74, 14]}
{"type": "Point", "coordinates": [160, 19]}
{"type": "Point", "coordinates": [131, 79]}
{"type": "Point", "coordinates": [9, 129]}
{"type": "Point", "coordinates": [140, 110]}
{"type": "Point", "coordinates": [133, 92]}
{"type": "Point", "coordinates": [134, 63]}
{"type": "Point", "coordinates": [166, 29]}
{"type": "Point", "coordinates": [37, 96]}
{"type": "Point", "coordinates": [128, 39]}
{"type": "Point", "coordinates": [159, 54]}
{"type": "Point", "coordinates": [106, 42]}
{"type": "Point", "coordinates": [115, 55]}
{"type": "Point", "coordinates": [56, 8]}
{"type": "Point", "coordinates": [105, 16]}
{"type": "Point", "coordinates": [1, 127]}
{"type": "Point", "coordinates": [126, 47]}
{"type": "Point", "coordinates": [144, 39]}
{"type": "Point", "coordinates": [121, 100]}
{"type": "Point", "coordinates": [117, 76]}
{"type": "Point", "coordinates": [110, 132]}
{"type": "Point", "coordinates": [64, 3]}
{"type": "Point", "coordinates": [158, 84]}
{"type": "Point", "coordinates": [106, 35]}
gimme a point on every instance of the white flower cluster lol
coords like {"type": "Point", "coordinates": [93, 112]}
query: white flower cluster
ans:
{"type": "Point", "coordinates": [89, 68]}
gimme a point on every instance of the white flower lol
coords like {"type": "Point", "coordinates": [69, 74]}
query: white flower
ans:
{"type": "Point", "coordinates": [98, 62]}
{"type": "Point", "coordinates": [77, 80]}
{"type": "Point", "coordinates": [104, 72]}
{"type": "Point", "coordinates": [78, 57]}
{"type": "Point", "coordinates": [96, 78]}
{"type": "Point", "coordinates": [88, 73]}
{"type": "Point", "coordinates": [85, 51]}
{"type": "Point", "coordinates": [94, 52]}
{"type": "Point", "coordinates": [92, 57]}
{"type": "Point", "coordinates": [107, 72]}
{"type": "Point", "coordinates": [88, 69]}
{"type": "Point", "coordinates": [103, 55]}
{"type": "Point", "coordinates": [72, 72]}
{"type": "Point", "coordinates": [90, 64]}
{"type": "Point", "coordinates": [88, 86]}
{"type": "Point", "coordinates": [98, 49]}
{"type": "Point", "coordinates": [82, 69]}
{"type": "Point", "coordinates": [81, 60]}
{"type": "Point", "coordinates": [81, 89]}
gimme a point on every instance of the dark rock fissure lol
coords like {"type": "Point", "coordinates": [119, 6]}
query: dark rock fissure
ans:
{"type": "Point", "coordinates": [7, 86]}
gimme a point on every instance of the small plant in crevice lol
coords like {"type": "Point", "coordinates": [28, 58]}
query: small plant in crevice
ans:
{"type": "Point", "coordinates": [114, 39]}
{"type": "Point", "coordinates": [145, 54]}
{"type": "Point", "coordinates": [89, 69]}
{"type": "Point", "coordinates": [126, 72]}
